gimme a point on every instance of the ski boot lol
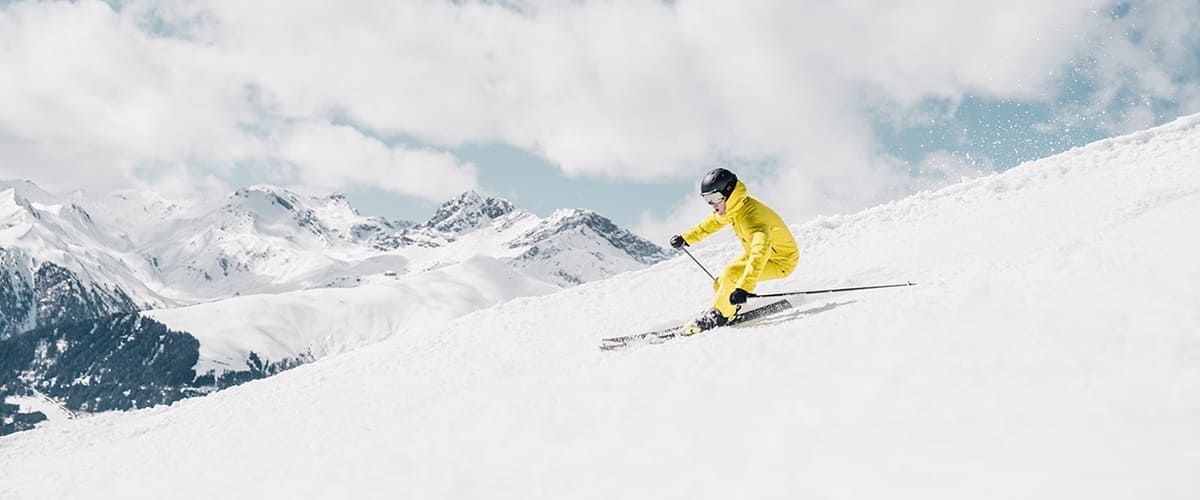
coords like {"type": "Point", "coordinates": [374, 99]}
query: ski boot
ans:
{"type": "Point", "coordinates": [707, 321]}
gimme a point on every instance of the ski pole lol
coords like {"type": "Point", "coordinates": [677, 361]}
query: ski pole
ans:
{"type": "Point", "coordinates": [689, 254]}
{"type": "Point", "coordinates": [832, 290]}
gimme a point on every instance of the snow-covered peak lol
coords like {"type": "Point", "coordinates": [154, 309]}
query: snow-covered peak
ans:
{"type": "Point", "coordinates": [328, 217]}
{"type": "Point", "coordinates": [14, 208]}
{"type": "Point", "coordinates": [579, 220]}
{"type": "Point", "coordinates": [273, 210]}
{"type": "Point", "coordinates": [137, 215]}
{"type": "Point", "coordinates": [24, 199]}
{"type": "Point", "coordinates": [24, 206]}
{"type": "Point", "coordinates": [263, 199]}
{"type": "Point", "coordinates": [27, 190]}
{"type": "Point", "coordinates": [148, 206]}
{"type": "Point", "coordinates": [466, 212]}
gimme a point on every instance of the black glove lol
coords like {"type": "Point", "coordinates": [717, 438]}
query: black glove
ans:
{"type": "Point", "coordinates": [677, 241]}
{"type": "Point", "coordinates": [738, 296]}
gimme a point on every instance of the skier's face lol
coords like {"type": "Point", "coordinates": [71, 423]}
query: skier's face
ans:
{"type": "Point", "coordinates": [716, 201]}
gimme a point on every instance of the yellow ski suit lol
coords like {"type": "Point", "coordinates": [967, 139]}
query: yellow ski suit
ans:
{"type": "Point", "coordinates": [770, 249]}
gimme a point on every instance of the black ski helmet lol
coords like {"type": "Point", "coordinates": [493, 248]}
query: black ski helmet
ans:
{"type": "Point", "coordinates": [718, 180]}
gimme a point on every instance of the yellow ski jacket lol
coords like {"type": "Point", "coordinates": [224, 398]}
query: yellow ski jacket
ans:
{"type": "Point", "coordinates": [763, 234]}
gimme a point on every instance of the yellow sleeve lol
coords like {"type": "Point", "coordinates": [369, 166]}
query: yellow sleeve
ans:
{"type": "Point", "coordinates": [760, 241]}
{"type": "Point", "coordinates": [706, 227]}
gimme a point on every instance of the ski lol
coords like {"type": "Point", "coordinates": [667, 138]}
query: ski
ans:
{"type": "Point", "coordinates": [660, 336]}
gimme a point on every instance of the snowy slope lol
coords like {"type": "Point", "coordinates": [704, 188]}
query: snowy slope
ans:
{"type": "Point", "coordinates": [320, 322]}
{"type": "Point", "coordinates": [138, 216]}
{"type": "Point", "coordinates": [1051, 350]}
{"type": "Point", "coordinates": [474, 252]}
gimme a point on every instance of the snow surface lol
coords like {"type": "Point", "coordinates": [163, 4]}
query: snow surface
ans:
{"type": "Point", "coordinates": [1050, 350]}
{"type": "Point", "coordinates": [321, 322]}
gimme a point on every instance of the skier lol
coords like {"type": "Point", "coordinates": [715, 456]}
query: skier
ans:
{"type": "Point", "coordinates": [770, 249]}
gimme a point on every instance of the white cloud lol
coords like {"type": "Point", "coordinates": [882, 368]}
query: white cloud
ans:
{"type": "Point", "coordinates": [184, 185]}
{"type": "Point", "coordinates": [627, 89]}
{"type": "Point", "coordinates": [87, 93]}
{"type": "Point", "coordinates": [341, 157]}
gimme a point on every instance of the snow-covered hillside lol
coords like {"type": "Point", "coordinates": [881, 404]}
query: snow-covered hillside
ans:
{"type": "Point", "coordinates": [1051, 350]}
{"type": "Point", "coordinates": [312, 324]}
{"type": "Point", "coordinates": [474, 252]}
{"type": "Point", "coordinates": [269, 249]}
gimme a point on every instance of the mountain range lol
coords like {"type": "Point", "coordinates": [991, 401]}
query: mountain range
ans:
{"type": "Point", "coordinates": [111, 277]}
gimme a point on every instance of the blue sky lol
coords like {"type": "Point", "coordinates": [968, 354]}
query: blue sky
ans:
{"type": "Point", "coordinates": [618, 106]}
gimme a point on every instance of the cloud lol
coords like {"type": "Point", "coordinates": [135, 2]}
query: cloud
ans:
{"type": "Point", "coordinates": [89, 94]}
{"type": "Point", "coordinates": [341, 157]}
{"type": "Point", "coordinates": [183, 185]}
{"type": "Point", "coordinates": [642, 89]}
{"type": "Point", "coordinates": [618, 90]}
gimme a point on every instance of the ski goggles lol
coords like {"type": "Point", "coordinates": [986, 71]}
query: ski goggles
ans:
{"type": "Point", "coordinates": [713, 198]}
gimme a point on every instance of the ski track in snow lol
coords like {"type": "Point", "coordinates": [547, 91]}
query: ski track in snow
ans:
{"type": "Point", "coordinates": [1050, 350]}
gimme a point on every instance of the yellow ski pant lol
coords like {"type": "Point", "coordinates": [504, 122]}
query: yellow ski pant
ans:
{"type": "Point", "coordinates": [727, 282]}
